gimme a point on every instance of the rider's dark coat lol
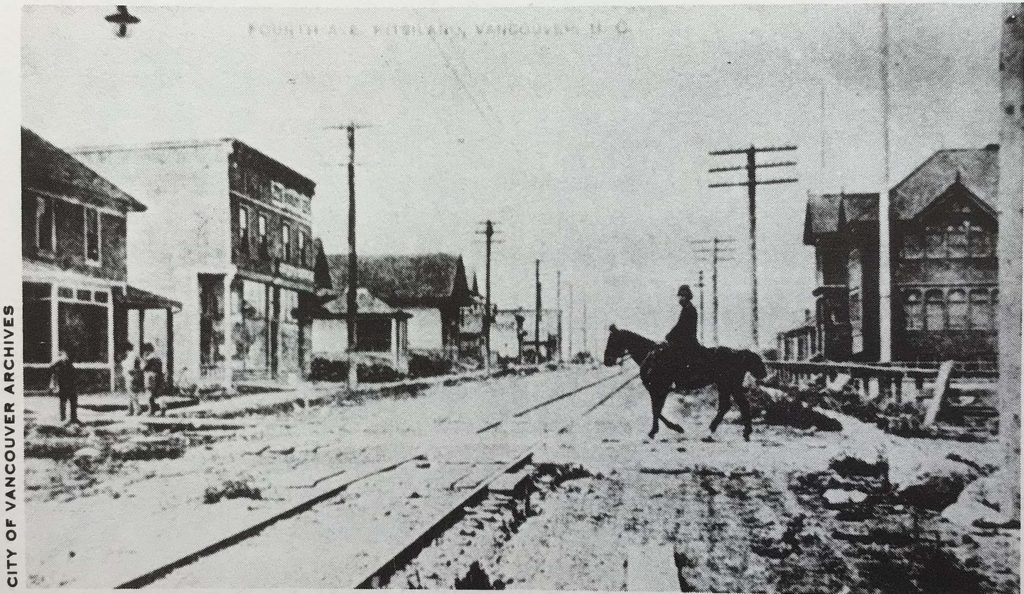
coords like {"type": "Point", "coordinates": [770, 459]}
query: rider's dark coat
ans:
{"type": "Point", "coordinates": [682, 338]}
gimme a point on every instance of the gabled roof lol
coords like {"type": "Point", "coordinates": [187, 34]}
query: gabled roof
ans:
{"type": "Point", "coordinates": [826, 213]}
{"type": "Point", "coordinates": [48, 168]}
{"type": "Point", "coordinates": [976, 169]}
{"type": "Point", "coordinates": [421, 280]}
{"type": "Point", "coordinates": [366, 304]}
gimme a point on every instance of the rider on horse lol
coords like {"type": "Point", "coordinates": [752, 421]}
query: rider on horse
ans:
{"type": "Point", "coordinates": [681, 341]}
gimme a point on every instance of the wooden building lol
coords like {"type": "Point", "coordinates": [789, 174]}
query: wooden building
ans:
{"type": "Point", "coordinates": [228, 234]}
{"type": "Point", "coordinates": [382, 331]}
{"type": "Point", "coordinates": [74, 237]}
{"type": "Point", "coordinates": [431, 288]}
{"type": "Point", "coordinates": [944, 266]}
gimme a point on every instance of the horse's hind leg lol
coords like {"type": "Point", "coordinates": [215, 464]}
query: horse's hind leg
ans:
{"type": "Point", "coordinates": [744, 406]}
{"type": "Point", "coordinates": [723, 406]}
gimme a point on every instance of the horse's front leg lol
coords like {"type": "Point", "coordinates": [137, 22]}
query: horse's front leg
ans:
{"type": "Point", "coordinates": [657, 403]}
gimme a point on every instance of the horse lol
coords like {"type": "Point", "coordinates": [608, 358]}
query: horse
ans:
{"type": "Point", "coordinates": [726, 368]}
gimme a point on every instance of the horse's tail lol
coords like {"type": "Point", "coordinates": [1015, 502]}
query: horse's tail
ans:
{"type": "Point", "coordinates": [755, 365]}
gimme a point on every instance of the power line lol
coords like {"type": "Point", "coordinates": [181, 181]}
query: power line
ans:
{"type": "Point", "coordinates": [751, 184]}
{"type": "Point", "coordinates": [718, 247]}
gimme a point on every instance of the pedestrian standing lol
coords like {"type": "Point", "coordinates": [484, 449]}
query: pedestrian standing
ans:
{"type": "Point", "coordinates": [153, 371]}
{"type": "Point", "coordinates": [62, 380]}
{"type": "Point", "coordinates": [131, 374]}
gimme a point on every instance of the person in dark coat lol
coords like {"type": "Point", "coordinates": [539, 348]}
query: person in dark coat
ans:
{"type": "Point", "coordinates": [681, 340]}
{"type": "Point", "coordinates": [153, 371]}
{"type": "Point", "coordinates": [63, 380]}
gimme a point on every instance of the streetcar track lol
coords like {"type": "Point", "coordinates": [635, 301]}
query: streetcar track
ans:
{"type": "Point", "coordinates": [448, 518]}
{"type": "Point", "coordinates": [163, 571]}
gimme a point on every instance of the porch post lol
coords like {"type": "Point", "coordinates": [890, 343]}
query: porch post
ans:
{"type": "Point", "coordinates": [170, 347]}
{"type": "Point", "coordinates": [229, 337]}
{"type": "Point", "coordinates": [142, 328]}
{"type": "Point", "coordinates": [110, 340]}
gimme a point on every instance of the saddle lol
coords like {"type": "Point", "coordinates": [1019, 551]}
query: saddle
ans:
{"type": "Point", "coordinates": [688, 368]}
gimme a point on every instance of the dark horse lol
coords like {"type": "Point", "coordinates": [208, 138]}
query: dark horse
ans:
{"type": "Point", "coordinates": [725, 368]}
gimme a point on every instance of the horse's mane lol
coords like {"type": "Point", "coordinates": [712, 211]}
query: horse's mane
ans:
{"type": "Point", "coordinates": [647, 342]}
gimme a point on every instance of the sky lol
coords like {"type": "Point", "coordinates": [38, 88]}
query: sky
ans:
{"type": "Point", "coordinates": [582, 132]}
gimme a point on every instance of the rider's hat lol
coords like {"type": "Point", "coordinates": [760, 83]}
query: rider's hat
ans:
{"type": "Point", "coordinates": [684, 290]}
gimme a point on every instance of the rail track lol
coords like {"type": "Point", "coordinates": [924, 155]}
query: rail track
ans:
{"type": "Point", "coordinates": [396, 560]}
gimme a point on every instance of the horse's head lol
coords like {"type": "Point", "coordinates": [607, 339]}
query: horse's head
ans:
{"type": "Point", "coordinates": [616, 348]}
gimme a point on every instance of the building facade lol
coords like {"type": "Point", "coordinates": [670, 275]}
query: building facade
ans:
{"type": "Point", "coordinates": [943, 263]}
{"type": "Point", "coordinates": [382, 331]}
{"type": "Point", "coordinates": [74, 268]}
{"type": "Point", "coordinates": [229, 236]}
{"type": "Point", "coordinates": [430, 288]}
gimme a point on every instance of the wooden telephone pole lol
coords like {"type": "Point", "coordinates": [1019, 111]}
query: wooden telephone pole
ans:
{"type": "Point", "coordinates": [353, 269]}
{"type": "Point", "coordinates": [1011, 201]}
{"type": "Point", "coordinates": [488, 234]}
{"type": "Point", "coordinates": [751, 184]}
{"type": "Point", "coordinates": [718, 247]}
{"type": "Point", "coordinates": [700, 287]}
{"type": "Point", "coordinates": [536, 317]}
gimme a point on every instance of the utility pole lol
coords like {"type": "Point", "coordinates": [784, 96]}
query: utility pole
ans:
{"type": "Point", "coordinates": [884, 265]}
{"type": "Point", "coordinates": [536, 317]}
{"type": "Point", "coordinates": [586, 348]}
{"type": "Point", "coordinates": [558, 308]}
{"type": "Point", "coordinates": [488, 233]}
{"type": "Point", "coordinates": [700, 287]}
{"type": "Point", "coordinates": [718, 247]}
{"type": "Point", "coordinates": [571, 354]}
{"type": "Point", "coordinates": [353, 270]}
{"type": "Point", "coordinates": [1011, 194]}
{"type": "Point", "coordinates": [751, 184]}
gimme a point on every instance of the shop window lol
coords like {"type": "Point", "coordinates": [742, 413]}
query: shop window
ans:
{"type": "Point", "coordinates": [981, 310]}
{"type": "Point", "coordinates": [38, 342]}
{"type": "Point", "coordinates": [45, 229]}
{"type": "Point", "coordinates": [83, 329]}
{"type": "Point", "coordinates": [935, 242]}
{"type": "Point", "coordinates": [956, 238]}
{"type": "Point", "coordinates": [92, 235]}
{"type": "Point", "coordinates": [934, 310]}
{"type": "Point", "coordinates": [956, 305]}
{"type": "Point", "coordinates": [912, 310]}
{"type": "Point", "coordinates": [251, 330]}
{"type": "Point", "coordinates": [912, 248]}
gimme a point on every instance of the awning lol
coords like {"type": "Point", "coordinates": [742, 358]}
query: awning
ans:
{"type": "Point", "coordinates": [136, 298]}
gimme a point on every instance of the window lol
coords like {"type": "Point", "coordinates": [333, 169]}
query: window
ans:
{"type": "Point", "coordinates": [980, 242]}
{"type": "Point", "coordinates": [956, 305]}
{"type": "Point", "coordinates": [855, 309]}
{"type": "Point", "coordinates": [38, 342]}
{"type": "Point", "coordinates": [286, 242]}
{"type": "Point", "coordinates": [935, 242]}
{"type": "Point", "coordinates": [92, 235]}
{"type": "Point", "coordinates": [981, 310]}
{"type": "Point", "coordinates": [83, 295]}
{"type": "Point", "coordinates": [302, 248]}
{"type": "Point", "coordinates": [912, 246]}
{"type": "Point", "coordinates": [243, 229]}
{"type": "Point", "coordinates": [45, 229]}
{"type": "Point", "coordinates": [261, 228]}
{"type": "Point", "coordinates": [912, 310]}
{"type": "Point", "coordinates": [373, 335]}
{"type": "Point", "coordinates": [934, 310]}
{"type": "Point", "coordinates": [957, 241]}
{"type": "Point", "coordinates": [83, 328]}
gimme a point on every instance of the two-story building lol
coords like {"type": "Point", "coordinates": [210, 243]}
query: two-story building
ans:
{"type": "Point", "coordinates": [228, 233]}
{"type": "Point", "coordinates": [74, 272]}
{"type": "Point", "coordinates": [943, 262]}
